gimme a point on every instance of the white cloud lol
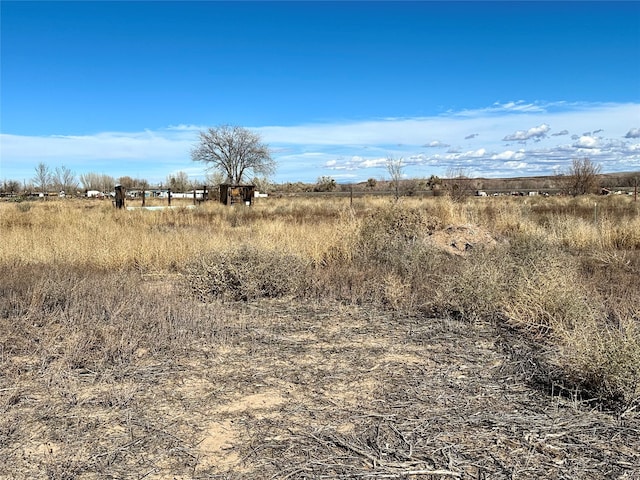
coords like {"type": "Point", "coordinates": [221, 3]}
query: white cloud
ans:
{"type": "Point", "coordinates": [149, 154]}
{"type": "Point", "coordinates": [516, 165]}
{"type": "Point", "coordinates": [509, 107]}
{"type": "Point", "coordinates": [436, 144]}
{"type": "Point", "coordinates": [633, 133]}
{"type": "Point", "coordinates": [509, 155]}
{"type": "Point", "coordinates": [372, 162]}
{"type": "Point", "coordinates": [186, 128]}
{"type": "Point", "coordinates": [586, 141]}
{"type": "Point", "coordinates": [523, 135]}
{"type": "Point", "coordinates": [113, 145]}
{"type": "Point", "coordinates": [304, 152]}
{"type": "Point", "coordinates": [520, 106]}
{"type": "Point", "coordinates": [466, 155]}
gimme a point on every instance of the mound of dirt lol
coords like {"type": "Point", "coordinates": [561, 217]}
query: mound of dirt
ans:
{"type": "Point", "coordinates": [462, 239]}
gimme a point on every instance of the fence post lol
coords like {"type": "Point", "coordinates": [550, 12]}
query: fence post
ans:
{"type": "Point", "coordinates": [194, 195]}
{"type": "Point", "coordinates": [119, 196]}
{"type": "Point", "coordinates": [143, 196]}
{"type": "Point", "coordinates": [169, 196]}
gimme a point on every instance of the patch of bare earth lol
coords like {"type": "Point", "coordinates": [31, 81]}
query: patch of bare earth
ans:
{"type": "Point", "coordinates": [286, 390]}
{"type": "Point", "coordinates": [461, 239]}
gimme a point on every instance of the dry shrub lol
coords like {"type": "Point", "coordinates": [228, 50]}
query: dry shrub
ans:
{"type": "Point", "coordinates": [548, 296]}
{"type": "Point", "coordinates": [389, 259]}
{"type": "Point", "coordinates": [615, 276]}
{"type": "Point", "coordinates": [601, 360]}
{"type": "Point", "coordinates": [472, 288]}
{"type": "Point", "coordinates": [509, 217]}
{"type": "Point", "coordinates": [72, 318]}
{"type": "Point", "coordinates": [246, 273]}
{"type": "Point", "coordinates": [346, 283]}
{"type": "Point", "coordinates": [622, 236]}
{"type": "Point", "coordinates": [396, 292]}
{"type": "Point", "coordinates": [446, 211]}
{"type": "Point", "coordinates": [551, 301]}
{"type": "Point", "coordinates": [394, 238]}
{"type": "Point", "coordinates": [382, 259]}
{"type": "Point", "coordinates": [369, 260]}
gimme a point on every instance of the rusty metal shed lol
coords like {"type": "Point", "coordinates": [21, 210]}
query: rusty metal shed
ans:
{"type": "Point", "coordinates": [233, 194]}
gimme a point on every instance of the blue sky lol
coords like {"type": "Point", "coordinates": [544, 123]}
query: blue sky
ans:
{"type": "Point", "coordinates": [335, 88]}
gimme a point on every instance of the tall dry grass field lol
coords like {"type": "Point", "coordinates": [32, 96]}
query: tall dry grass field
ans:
{"type": "Point", "coordinates": [583, 250]}
{"type": "Point", "coordinates": [95, 235]}
{"type": "Point", "coordinates": [91, 292]}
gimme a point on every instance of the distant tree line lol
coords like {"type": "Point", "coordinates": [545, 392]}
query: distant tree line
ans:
{"type": "Point", "coordinates": [582, 177]}
{"type": "Point", "coordinates": [237, 155]}
{"type": "Point", "coordinates": [63, 179]}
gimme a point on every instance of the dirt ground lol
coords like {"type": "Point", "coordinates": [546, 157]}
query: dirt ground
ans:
{"type": "Point", "coordinates": [284, 391]}
{"type": "Point", "coordinates": [461, 239]}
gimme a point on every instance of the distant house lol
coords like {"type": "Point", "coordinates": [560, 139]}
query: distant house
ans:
{"type": "Point", "coordinates": [189, 194]}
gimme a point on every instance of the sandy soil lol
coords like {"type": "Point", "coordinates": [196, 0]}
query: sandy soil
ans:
{"type": "Point", "coordinates": [282, 390]}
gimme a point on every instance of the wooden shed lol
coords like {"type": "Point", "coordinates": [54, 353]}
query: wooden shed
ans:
{"type": "Point", "coordinates": [232, 194]}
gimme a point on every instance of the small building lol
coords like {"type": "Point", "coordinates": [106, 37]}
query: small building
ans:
{"type": "Point", "coordinates": [233, 194]}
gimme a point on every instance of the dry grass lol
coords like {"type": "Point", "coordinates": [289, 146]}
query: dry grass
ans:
{"type": "Point", "coordinates": [319, 339]}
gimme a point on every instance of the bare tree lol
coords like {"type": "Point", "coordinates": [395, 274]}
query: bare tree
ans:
{"type": "Point", "coordinates": [214, 179]}
{"type": "Point", "coordinates": [263, 184]}
{"type": "Point", "coordinates": [11, 186]}
{"type": "Point", "coordinates": [179, 181]}
{"type": "Point", "coordinates": [459, 185]}
{"type": "Point", "coordinates": [582, 177]}
{"type": "Point", "coordinates": [97, 181]}
{"type": "Point", "coordinates": [42, 178]}
{"type": "Point", "coordinates": [64, 179]}
{"type": "Point", "coordinates": [395, 167]}
{"type": "Point", "coordinates": [236, 151]}
{"type": "Point", "coordinates": [88, 181]}
{"type": "Point", "coordinates": [128, 182]}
